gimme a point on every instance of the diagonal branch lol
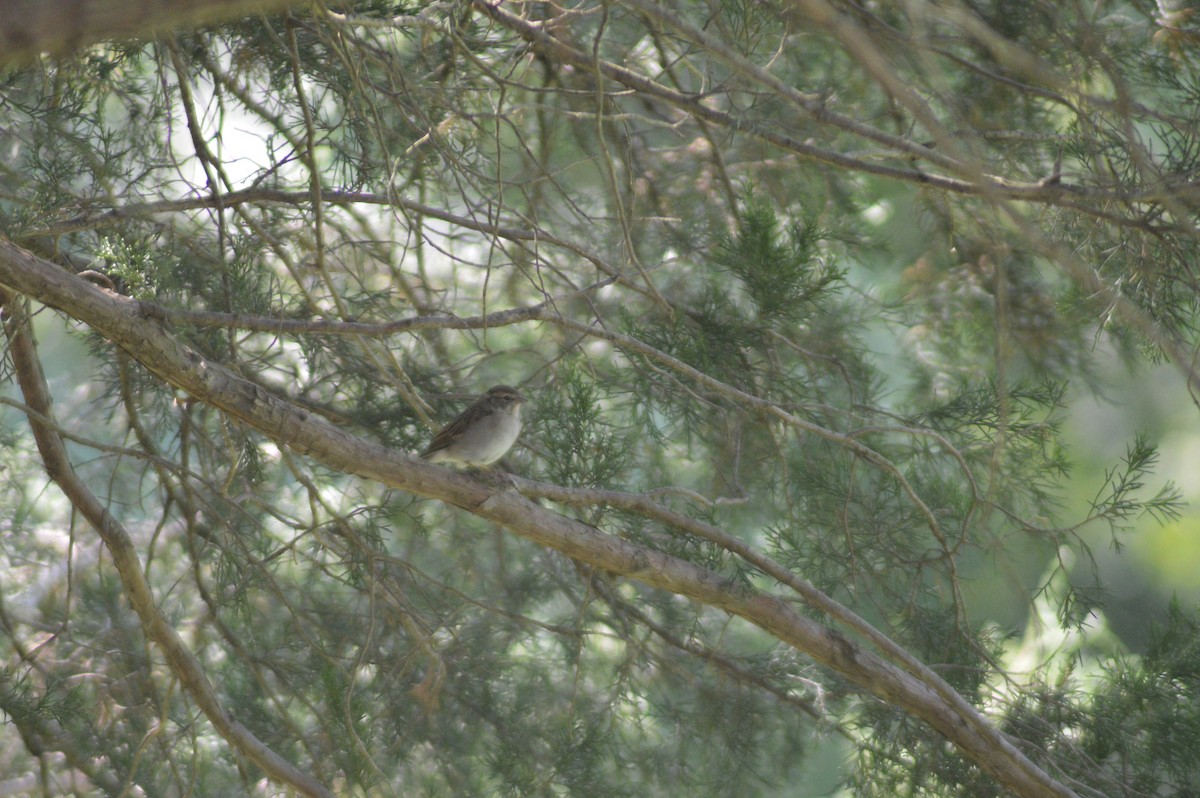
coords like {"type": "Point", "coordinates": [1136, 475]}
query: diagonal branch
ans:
{"type": "Point", "coordinates": [116, 317]}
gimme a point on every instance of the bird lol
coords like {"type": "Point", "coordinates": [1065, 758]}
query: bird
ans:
{"type": "Point", "coordinates": [482, 433]}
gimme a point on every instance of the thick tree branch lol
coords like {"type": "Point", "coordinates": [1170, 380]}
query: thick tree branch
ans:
{"type": "Point", "coordinates": [116, 317]}
{"type": "Point", "coordinates": [815, 598]}
{"type": "Point", "coordinates": [31, 27]}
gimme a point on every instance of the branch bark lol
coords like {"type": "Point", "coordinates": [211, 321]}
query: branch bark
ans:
{"type": "Point", "coordinates": [119, 319]}
{"type": "Point", "coordinates": [29, 28]}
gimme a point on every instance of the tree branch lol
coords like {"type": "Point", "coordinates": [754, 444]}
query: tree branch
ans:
{"type": "Point", "coordinates": [285, 326]}
{"type": "Point", "coordinates": [31, 27]}
{"type": "Point", "coordinates": [116, 317]}
{"type": "Point", "coordinates": [498, 229]}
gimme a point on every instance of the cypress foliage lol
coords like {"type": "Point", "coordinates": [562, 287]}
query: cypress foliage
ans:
{"type": "Point", "coordinates": [832, 291]}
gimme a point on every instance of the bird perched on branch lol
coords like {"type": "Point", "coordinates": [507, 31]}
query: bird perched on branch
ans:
{"type": "Point", "coordinates": [482, 433]}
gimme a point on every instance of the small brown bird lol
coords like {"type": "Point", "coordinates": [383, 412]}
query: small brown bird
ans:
{"type": "Point", "coordinates": [482, 433]}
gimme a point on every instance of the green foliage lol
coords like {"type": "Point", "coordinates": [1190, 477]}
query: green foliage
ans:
{"type": "Point", "coordinates": [134, 265]}
{"type": "Point", "coordinates": [864, 368]}
{"type": "Point", "coordinates": [24, 702]}
{"type": "Point", "coordinates": [782, 272]}
{"type": "Point", "coordinates": [1159, 697]}
{"type": "Point", "coordinates": [1118, 501]}
{"type": "Point", "coordinates": [581, 448]}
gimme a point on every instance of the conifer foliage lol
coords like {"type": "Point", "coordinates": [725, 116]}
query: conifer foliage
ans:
{"type": "Point", "coordinates": [801, 295]}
